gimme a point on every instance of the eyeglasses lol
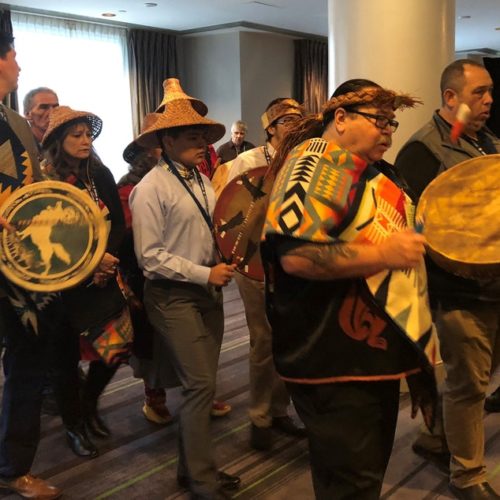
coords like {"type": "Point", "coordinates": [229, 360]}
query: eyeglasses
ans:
{"type": "Point", "coordinates": [288, 120]}
{"type": "Point", "coordinates": [381, 121]}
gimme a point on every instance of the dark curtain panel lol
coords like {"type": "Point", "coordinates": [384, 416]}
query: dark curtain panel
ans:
{"type": "Point", "coordinates": [152, 59]}
{"type": "Point", "coordinates": [311, 74]}
{"type": "Point", "coordinates": [492, 64]}
{"type": "Point", "coordinates": [6, 26]}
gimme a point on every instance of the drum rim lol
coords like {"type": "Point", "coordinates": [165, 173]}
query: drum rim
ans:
{"type": "Point", "coordinates": [217, 216]}
{"type": "Point", "coordinates": [442, 258]}
{"type": "Point", "coordinates": [96, 252]}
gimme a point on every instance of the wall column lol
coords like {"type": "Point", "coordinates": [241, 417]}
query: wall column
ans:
{"type": "Point", "coordinates": [400, 44]}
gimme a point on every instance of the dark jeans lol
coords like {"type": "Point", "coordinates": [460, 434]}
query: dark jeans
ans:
{"type": "Point", "coordinates": [25, 368]}
{"type": "Point", "coordinates": [351, 428]}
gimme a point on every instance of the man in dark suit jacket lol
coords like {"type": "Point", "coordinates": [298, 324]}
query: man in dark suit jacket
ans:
{"type": "Point", "coordinates": [25, 332]}
{"type": "Point", "coordinates": [236, 145]}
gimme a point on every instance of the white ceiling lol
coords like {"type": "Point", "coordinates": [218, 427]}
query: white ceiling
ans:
{"type": "Point", "coordinates": [305, 16]}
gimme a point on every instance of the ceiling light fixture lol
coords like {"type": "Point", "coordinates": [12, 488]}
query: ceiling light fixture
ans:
{"type": "Point", "coordinates": [464, 17]}
{"type": "Point", "coordinates": [150, 4]}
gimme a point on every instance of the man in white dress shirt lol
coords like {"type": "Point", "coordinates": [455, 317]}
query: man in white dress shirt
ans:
{"type": "Point", "coordinates": [171, 212]}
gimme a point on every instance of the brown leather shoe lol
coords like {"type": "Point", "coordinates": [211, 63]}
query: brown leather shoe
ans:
{"type": "Point", "coordinates": [29, 486]}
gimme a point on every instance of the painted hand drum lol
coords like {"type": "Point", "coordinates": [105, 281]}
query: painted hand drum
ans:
{"type": "Point", "coordinates": [461, 214]}
{"type": "Point", "coordinates": [239, 217]}
{"type": "Point", "coordinates": [60, 236]}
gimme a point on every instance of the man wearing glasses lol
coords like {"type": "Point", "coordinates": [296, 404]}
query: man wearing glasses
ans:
{"type": "Point", "coordinates": [346, 288]}
{"type": "Point", "coordinates": [269, 399]}
{"type": "Point", "coordinates": [279, 114]}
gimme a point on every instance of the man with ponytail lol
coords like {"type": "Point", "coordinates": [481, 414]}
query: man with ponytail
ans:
{"type": "Point", "coordinates": [269, 399]}
{"type": "Point", "coordinates": [346, 288]}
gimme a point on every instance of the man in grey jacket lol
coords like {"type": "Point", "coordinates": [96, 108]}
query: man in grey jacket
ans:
{"type": "Point", "coordinates": [467, 311]}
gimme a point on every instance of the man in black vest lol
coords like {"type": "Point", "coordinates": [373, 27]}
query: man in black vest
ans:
{"type": "Point", "coordinates": [467, 311]}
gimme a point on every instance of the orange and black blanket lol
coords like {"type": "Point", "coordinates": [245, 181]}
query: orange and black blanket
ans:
{"type": "Point", "coordinates": [375, 327]}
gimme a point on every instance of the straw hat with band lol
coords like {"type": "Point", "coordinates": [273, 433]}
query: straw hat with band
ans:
{"type": "Point", "coordinates": [172, 91]}
{"type": "Point", "coordinates": [376, 96]}
{"type": "Point", "coordinates": [64, 115]}
{"type": "Point", "coordinates": [281, 108]}
{"type": "Point", "coordinates": [133, 150]}
{"type": "Point", "coordinates": [179, 113]}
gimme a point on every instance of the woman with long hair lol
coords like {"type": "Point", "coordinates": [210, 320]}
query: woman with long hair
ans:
{"type": "Point", "coordinates": [71, 158]}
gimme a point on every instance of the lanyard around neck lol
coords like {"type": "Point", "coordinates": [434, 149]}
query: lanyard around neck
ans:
{"type": "Point", "coordinates": [170, 166]}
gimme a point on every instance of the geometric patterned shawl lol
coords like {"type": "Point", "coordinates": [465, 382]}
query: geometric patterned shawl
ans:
{"type": "Point", "coordinates": [316, 199]}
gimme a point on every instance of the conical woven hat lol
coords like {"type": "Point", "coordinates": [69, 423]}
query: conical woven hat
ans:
{"type": "Point", "coordinates": [172, 91]}
{"type": "Point", "coordinates": [64, 114]}
{"type": "Point", "coordinates": [134, 149]}
{"type": "Point", "coordinates": [180, 113]}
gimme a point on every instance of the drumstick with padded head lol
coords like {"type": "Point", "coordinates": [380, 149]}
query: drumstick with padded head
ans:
{"type": "Point", "coordinates": [461, 119]}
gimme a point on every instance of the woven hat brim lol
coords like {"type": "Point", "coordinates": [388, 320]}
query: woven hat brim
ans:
{"type": "Point", "coordinates": [132, 151]}
{"type": "Point", "coordinates": [180, 114]}
{"type": "Point", "coordinates": [290, 111]}
{"type": "Point", "coordinates": [72, 117]}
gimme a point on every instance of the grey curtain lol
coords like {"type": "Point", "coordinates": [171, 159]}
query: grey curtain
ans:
{"type": "Point", "coordinates": [6, 26]}
{"type": "Point", "coordinates": [311, 74]}
{"type": "Point", "coordinates": [152, 59]}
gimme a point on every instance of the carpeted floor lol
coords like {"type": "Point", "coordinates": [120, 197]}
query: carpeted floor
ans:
{"type": "Point", "coordinates": [139, 460]}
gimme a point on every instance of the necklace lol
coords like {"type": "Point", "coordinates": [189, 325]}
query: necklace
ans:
{"type": "Point", "coordinates": [90, 184]}
{"type": "Point", "coordinates": [187, 177]}
{"type": "Point", "coordinates": [186, 173]}
{"type": "Point", "coordinates": [267, 155]}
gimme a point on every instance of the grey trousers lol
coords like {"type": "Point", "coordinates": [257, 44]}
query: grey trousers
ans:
{"type": "Point", "coordinates": [268, 394]}
{"type": "Point", "coordinates": [190, 321]}
{"type": "Point", "coordinates": [470, 348]}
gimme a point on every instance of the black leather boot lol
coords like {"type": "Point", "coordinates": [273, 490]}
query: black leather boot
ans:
{"type": "Point", "coordinates": [80, 443]}
{"type": "Point", "coordinates": [96, 426]}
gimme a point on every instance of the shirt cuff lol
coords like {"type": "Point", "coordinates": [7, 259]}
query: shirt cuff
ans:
{"type": "Point", "coordinates": [200, 275]}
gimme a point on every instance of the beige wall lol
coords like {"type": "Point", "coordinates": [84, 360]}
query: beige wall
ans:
{"type": "Point", "coordinates": [236, 73]}
{"type": "Point", "coordinates": [211, 72]}
{"type": "Point", "coordinates": [266, 73]}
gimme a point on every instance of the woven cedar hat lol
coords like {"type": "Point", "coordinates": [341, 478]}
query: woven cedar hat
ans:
{"type": "Point", "coordinates": [378, 96]}
{"type": "Point", "coordinates": [133, 149]}
{"type": "Point", "coordinates": [172, 91]}
{"type": "Point", "coordinates": [282, 108]}
{"type": "Point", "coordinates": [63, 115]}
{"type": "Point", "coordinates": [180, 113]}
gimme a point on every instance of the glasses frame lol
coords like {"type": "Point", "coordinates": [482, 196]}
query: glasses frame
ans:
{"type": "Point", "coordinates": [394, 124]}
{"type": "Point", "coordinates": [287, 121]}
